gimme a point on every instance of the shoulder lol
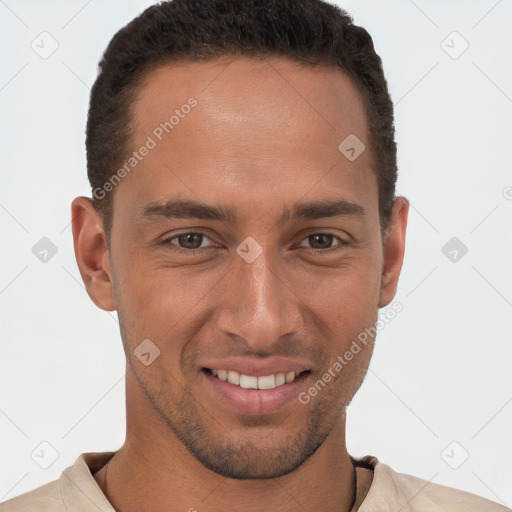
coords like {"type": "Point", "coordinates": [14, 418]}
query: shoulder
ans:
{"type": "Point", "coordinates": [419, 495]}
{"type": "Point", "coordinates": [75, 490]}
{"type": "Point", "coordinates": [46, 498]}
{"type": "Point", "coordinates": [391, 491]}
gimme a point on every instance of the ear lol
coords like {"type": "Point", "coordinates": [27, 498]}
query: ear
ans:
{"type": "Point", "coordinates": [394, 249]}
{"type": "Point", "coordinates": [91, 252]}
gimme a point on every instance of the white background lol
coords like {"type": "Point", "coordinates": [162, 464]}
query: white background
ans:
{"type": "Point", "coordinates": [441, 369]}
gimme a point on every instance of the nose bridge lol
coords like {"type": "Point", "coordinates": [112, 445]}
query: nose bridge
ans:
{"type": "Point", "coordinates": [259, 307]}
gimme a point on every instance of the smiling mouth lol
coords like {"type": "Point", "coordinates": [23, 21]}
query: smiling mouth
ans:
{"type": "Point", "coordinates": [252, 382]}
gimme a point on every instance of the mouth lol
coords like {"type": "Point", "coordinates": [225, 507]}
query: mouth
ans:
{"type": "Point", "coordinates": [253, 382]}
{"type": "Point", "coordinates": [254, 395]}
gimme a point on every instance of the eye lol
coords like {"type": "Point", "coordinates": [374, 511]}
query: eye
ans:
{"type": "Point", "coordinates": [323, 241]}
{"type": "Point", "coordinates": [189, 241]}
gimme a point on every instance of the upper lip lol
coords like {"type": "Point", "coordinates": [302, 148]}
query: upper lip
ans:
{"type": "Point", "coordinates": [257, 367]}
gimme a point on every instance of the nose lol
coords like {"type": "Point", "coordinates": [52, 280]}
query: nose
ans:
{"type": "Point", "coordinates": [259, 306]}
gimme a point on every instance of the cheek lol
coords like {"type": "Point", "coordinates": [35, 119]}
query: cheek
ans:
{"type": "Point", "coordinates": [342, 304]}
{"type": "Point", "coordinates": [348, 291]}
{"type": "Point", "coordinates": [161, 301]}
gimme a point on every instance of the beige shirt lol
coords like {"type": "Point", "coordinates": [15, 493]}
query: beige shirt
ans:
{"type": "Point", "coordinates": [77, 491]}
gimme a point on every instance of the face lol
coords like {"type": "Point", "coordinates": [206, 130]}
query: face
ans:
{"type": "Point", "coordinates": [245, 241]}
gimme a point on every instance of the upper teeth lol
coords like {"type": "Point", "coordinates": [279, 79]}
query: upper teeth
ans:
{"type": "Point", "coordinates": [251, 382]}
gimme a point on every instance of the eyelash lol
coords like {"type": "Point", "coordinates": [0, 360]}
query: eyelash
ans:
{"type": "Point", "coordinates": [168, 241]}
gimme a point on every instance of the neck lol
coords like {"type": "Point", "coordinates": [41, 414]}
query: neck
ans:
{"type": "Point", "coordinates": [154, 471]}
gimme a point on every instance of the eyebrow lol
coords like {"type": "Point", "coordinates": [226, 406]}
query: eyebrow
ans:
{"type": "Point", "coordinates": [189, 209]}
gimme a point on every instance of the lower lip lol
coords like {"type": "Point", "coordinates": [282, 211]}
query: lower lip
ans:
{"type": "Point", "coordinates": [256, 401]}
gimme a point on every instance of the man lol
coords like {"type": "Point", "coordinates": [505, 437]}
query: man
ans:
{"type": "Point", "coordinates": [245, 227]}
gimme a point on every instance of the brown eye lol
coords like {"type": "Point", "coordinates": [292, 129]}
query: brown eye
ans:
{"type": "Point", "coordinates": [190, 240]}
{"type": "Point", "coordinates": [187, 241]}
{"type": "Point", "coordinates": [323, 241]}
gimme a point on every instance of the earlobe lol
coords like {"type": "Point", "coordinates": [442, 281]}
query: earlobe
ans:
{"type": "Point", "coordinates": [91, 253]}
{"type": "Point", "coordinates": [394, 250]}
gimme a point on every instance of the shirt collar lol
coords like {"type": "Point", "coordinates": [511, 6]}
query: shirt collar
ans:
{"type": "Point", "coordinates": [80, 491]}
{"type": "Point", "coordinates": [384, 494]}
{"type": "Point", "coordinates": [78, 487]}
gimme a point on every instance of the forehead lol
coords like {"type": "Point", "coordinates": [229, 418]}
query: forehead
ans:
{"type": "Point", "coordinates": [262, 93]}
{"type": "Point", "coordinates": [257, 125]}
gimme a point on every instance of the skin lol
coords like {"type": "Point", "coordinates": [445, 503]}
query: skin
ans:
{"type": "Point", "coordinates": [263, 136]}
